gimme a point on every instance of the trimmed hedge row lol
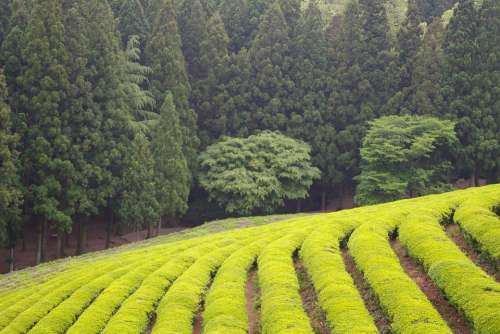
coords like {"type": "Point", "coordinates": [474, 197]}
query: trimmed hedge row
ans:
{"type": "Point", "coordinates": [94, 305]}
{"type": "Point", "coordinates": [476, 217]}
{"type": "Point", "coordinates": [281, 305]}
{"type": "Point", "coordinates": [178, 307]}
{"type": "Point", "coordinates": [337, 294]}
{"type": "Point", "coordinates": [469, 288]}
{"type": "Point", "coordinates": [408, 308]}
{"type": "Point", "coordinates": [225, 304]}
{"type": "Point", "coordinates": [134, 314]}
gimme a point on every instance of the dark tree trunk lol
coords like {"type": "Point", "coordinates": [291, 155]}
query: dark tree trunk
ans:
{"type": "Point", "coordinates": [109, 229]}
{"type": "Point", "coordinates": [67, 236]}
{"type": "Point", "coordinates": [23, 243]}
{"type": "Point", "coordinates": [44, 240]}
{"type": "Point", "coordinates": [149, 235]}
{"type": "Point", "coordinates": [299, 205]}
{"type": "Point", "coordinates": [39, 243]}
{"type": "Point", "coordinates": [12, 261]}
{"type": "Point", "coordinates": [81, 237]}
{"type": "Point", "coordinates": [60, 245]}
{"type": "Point", "coordinates": [323, 200]}
{"type": "Point", "coordinates": [158, 226]}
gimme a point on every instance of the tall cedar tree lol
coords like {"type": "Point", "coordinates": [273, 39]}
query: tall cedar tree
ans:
{"type": "Point", "coordinates": [310, 73]}
{"type": "Point", "coordinates": [348, 107]}
{"type": "Point", "coordinates": [10, 187]}
{"type": "Point", "coordinates": [463, 101]}
{"type": "Point", "coordinates": [48, 173]}
{"type": "Point", "coordinates": [99, 121]}
{"type": "Point", "coordinates": [132, 21]}
{"type": "Point", "coordinates": [172, 175]}
{"type": "Point", "coordinates": [430, 9]}
{"type": "Point", "coordinates": [235, 15]}
{"type": "Point", "coordinates": [270, 60]}
{"type": "Point", "coordinates": [375, 56]}
{"type": "Point", "coordinates": [488, 121]}
{"type": "Point", "coordinates": [138, 203]}
{"type": "Point", "coordinates": [5, 13]}
{"type": "Point", "coordinates": [209, 92]}
{"type": "Point", "coordinates": [164, 56]}
{"type": "Point", "coordinates": [193, 30]}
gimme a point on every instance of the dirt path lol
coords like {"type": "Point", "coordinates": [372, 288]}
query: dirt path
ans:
{"type": "Point", "coordinates": [455, 320]}
{"type": "Point", "coordinates": [371, 303]}
{"type": "Point", "coordinates": [198, 324]}
{"type": "Point", "coordinates": [251, 293]}
{"type": "Point", "coordinates": [454, 233]}
{"type": "Point", "coordinates": [310, 300]}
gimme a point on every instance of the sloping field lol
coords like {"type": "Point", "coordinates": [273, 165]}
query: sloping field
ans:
{"type": "Point", "coordinates": [385, 268]}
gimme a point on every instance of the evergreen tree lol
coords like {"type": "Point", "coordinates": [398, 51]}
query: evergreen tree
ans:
{"type": "Point", "coordinates": [270, 60]}
{"type": "Point", "coordinates": [208, 92]}
{"type": "Point", "coordinates": [292, 12]}
{"type": "Point", "coordinates": [47, 171]}
{"type": "Point", "coordinates": [430, 9]}
{"type": "Point", "coordinates": [99, 120]}
{"type": "Point", "coordinates": [235, 15]}
{"type": "Point", "coordinates": [461, 79]}
{"type": "Point", "coordinates": [375, 56]}
{"type": "Point", "coordinates": [5, 13]}
{"type": "Point", "coordinates": [10, 190]}
{"type": "Point", "coordinates": [132, 21]}
{"type": "Point", "coordinates": [138, 204]}
{"type": "Point", "coordinates": [172, 175]}
{"type": "Point", "coordinates": [193, 30]}
{"type": "Point", "coordinates": [164, 56]}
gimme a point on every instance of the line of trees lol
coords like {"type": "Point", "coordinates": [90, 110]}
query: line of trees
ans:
{"type": "Point", "coordinates": [105, 105]}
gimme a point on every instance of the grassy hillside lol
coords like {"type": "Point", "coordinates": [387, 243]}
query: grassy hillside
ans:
{"type": "Point", "coordinates": [281, 277]}
{"type": "Point", "coordinates": [200, 277]}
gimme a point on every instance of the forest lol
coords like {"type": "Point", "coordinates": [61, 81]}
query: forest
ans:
{"type": "Point", "coordinates": [151, 113]}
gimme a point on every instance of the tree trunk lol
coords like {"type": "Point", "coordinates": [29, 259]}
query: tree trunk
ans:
{"type": "Point", "coordinates": [44, 240]}
{"type": "Point", "coordinates": [323, 200]}
{"type": "Point", "coordinates": [12, 258]}
{"type": "Point", "coordinates": [476, 178]}
{"type": "Point", "coordinates": [60, 245]}
{"type": "Point", "coordinates": [109, 229]}
{"type": "Point", "coordinates": [39, 243]}
{"type": "Point", "coordinates": [158, 226]}
{"type": "Point", "coordinates": [149, 235]}
{"type": "Point", "coordinates": [80, 243]}
{"type": "Point", "coordinates": [299, 205]}
{"type": "Point", "coordinates": [23, 243]}
{"type": "Point", "coordinates": [67, 236]}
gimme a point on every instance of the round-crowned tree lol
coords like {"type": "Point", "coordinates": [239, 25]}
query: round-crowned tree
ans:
{"type": "Point", "coordinates": [256, 174]}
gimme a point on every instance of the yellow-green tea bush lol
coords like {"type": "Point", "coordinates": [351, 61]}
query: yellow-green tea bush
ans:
{"type": "Point", "coordinates": [476, 217]}
{"type": "Point", "coordinates": [407, 307]}
{"type": "Point", "coordinates": [337, 295]}
{"type": "Point", "coordinates": [469, 288]}
{"type": "Point", "coordinates": [161, 285]}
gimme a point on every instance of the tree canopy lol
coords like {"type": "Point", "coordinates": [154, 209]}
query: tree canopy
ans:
{"type": "Point", "coordinates": [256, 174]}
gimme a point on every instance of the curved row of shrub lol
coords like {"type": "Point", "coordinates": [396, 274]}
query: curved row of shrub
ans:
{"type": "Point", "coordinates": [177, 309]}
{"type": "Point", "coordinates": [225, 303]}
{"type": "Point", "coordinates": [476, 217]}
{"type": "Point", "coordinates": [409, 310]}
{"type": "Point", "coordinates": [469, 288]}
{"type": "Point", "coordinates": [337, 294]}
{"type": "Point", "coordinates": [281, 304]}
{"type": "Point", "coordinates": [134, 313]}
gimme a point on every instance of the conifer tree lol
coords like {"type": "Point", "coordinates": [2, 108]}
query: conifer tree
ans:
{"type": "Point", "coordinates": [235, 15]}
{"type": "Point", "coordinates": [5, 13]}
{"type": "Point", "coordinates": [10, 187]}
{"type": "Point", "coordinates": [270, 60]}
{"type": "Point", "coordinates": [171, 172]}
{"type": "Point", "coordinates": [209, 92]}
{"type": "Point", "coordinates": [193, 30]}
{"type": "Point", "coordinates": [132, 21]}
{"type": "Point", "coordinates": [164, 56]}
{"type": "Point", "coordinates": [460, 76]}
{"type": "Point", "coordinates": [138, 204]}
{"type": "Point", "coordinates": [47, 171]}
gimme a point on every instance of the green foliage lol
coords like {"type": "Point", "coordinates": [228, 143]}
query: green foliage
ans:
{"type": "Point", "coordinates": [10, 194]}
{"type": "Point", "coordinates": [470, 289]}
{"type": "Point", "coordinates": [404, 155]}
{"type": "Point", "coordinates": [257, 173]}
{"type": "Point", "coordinates": [172, 177]}
{"type": "Point", "coordinates": [138, 202]}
